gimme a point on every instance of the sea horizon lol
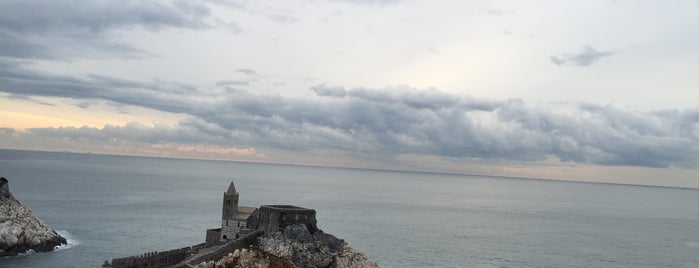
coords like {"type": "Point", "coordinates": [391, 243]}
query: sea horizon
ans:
{"type": "Point", "coordinates": [357, 168]}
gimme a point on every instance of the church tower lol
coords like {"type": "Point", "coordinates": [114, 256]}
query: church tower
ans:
{"type": "Point", "coordinates": [230, 224]}
{"type": "Point", "coordinates": [233, 217]}
{"type": "Point", "coordinates": [230, 204]}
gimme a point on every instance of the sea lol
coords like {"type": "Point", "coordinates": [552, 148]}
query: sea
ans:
{"type": "Point", "coordinates": [116, 206]}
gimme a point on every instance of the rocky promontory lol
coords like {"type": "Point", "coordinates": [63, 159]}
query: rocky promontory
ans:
{"type": "Point", "coordinates": [271, 236]}
{"type": "Point", "coordinates": [20, 230]}
{"type": "Point", "coordinates": [294, 246]}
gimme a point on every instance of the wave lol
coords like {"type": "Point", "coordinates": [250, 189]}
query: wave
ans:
{"type": "Point", "coordinates": [70, 239]}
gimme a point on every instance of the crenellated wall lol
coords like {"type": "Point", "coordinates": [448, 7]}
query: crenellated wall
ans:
{"type": "Point", "coordinates": [153, 259]}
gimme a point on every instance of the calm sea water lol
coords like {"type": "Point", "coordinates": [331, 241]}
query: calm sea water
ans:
{"type": "Point", "coordinates": [114, 206]}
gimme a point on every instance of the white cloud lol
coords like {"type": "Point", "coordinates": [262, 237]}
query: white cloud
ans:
{"type": "Point", "coordinates": [386, 121]}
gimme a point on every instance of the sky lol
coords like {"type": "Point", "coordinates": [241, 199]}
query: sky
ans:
{"type": "Point", "coordinates": [604, 91]}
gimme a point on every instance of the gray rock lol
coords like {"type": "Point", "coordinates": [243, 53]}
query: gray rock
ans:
{"type": "Point", "coordinates": [316, 249]}
{"type": "Point", "coordinates": [21, 231]}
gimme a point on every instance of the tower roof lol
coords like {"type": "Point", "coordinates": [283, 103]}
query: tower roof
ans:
{"type": "Point", "coordinates": [231, 189]}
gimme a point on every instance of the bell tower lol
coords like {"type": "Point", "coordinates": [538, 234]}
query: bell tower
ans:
{"type": "Point", "coordinates": [233, 217]}
{"type": "Point", "coordinates": [230, 204]}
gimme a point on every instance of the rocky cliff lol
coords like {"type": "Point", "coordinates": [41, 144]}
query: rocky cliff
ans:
{"type": "Point", "coordinates": [295, 246]}
{"type": "Point", "coordinates": [21, 231]}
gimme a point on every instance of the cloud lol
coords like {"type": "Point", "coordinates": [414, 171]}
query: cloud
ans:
{"type": "Point", "coordinates": [247, 71]}
{"type": "Point", "coordinates": [284, 19]}
{"type": "Point", "coordinates": [18, 46]}
{"type": "Point", "coordinates": [224, 83]}
{"type": "Point", "coordinates": [386, 122]}
{"type": "Point", "coordinates": [234, 4]}
{"type": "Point", "coordinates": [230, 26]}
{"type": "Point", "coordinates": [27, 26]}
{"type": "Point", "coordinates": [586, 57]}
{"type": "Point", "coordinates": [34, 17]}
{"type": "Point", "coordinates": [492, 11]}
{"type": "Point", "coordinates": [373, 2]}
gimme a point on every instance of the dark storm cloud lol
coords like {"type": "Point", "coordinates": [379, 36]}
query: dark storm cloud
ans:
{"type": "Point", "coordinates": [587, 56]}
{"type": "Point", "coordinates": [18, 80]}
{"type": "Point", "coordinates": [27, 25]}
{"type": "Point", "coordinates": [385, 122]}
{"type": "Point", "coordinates": [31, 16]}
{"type": "Point", "coordinates": [15, 45]}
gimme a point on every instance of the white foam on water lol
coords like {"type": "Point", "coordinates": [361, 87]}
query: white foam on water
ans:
{"type": "Point", "coordinates": [69, 238]}
{"type": "Point", "coordinates": [71, 242]}
{"type": "Point", "coordinates": [28, 252]}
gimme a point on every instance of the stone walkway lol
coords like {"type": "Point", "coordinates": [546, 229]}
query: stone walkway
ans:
{"type": "Point", "coordinates": [201, 252]}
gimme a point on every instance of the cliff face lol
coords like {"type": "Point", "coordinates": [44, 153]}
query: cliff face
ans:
{"type": "Point", "coordinates": [295, 246]}
{"type": "Point", "coordinates": [21, 231]}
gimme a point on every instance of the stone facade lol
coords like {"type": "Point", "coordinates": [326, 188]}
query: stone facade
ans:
{"type": "Point", "coordinates": [213, 236]}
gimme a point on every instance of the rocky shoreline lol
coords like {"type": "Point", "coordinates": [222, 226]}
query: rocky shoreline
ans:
{"type": "Point", "coordinates": [295, 246]}
{"type": "Point", "coordinates": [20, 230]}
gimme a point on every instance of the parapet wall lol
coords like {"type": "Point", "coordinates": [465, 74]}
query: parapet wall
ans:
{"type": "Point", "coordinates": [153, 259]}
{"type": "Point", "coordinates": [242, 242]}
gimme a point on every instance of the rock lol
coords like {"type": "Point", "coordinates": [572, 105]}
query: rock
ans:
{"type": "Point", "coordinates": [349, 258]}
{"type": "Point", "coordinates": [21, 231]}
{"type": "Point", "coordinates": [295, 246]}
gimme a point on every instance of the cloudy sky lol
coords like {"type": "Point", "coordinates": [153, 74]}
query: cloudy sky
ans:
{"type": "Point", "coordinates": [576, 90]}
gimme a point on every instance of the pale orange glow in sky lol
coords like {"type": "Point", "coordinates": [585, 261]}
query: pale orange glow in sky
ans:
{"type": "Point", "coordinates": [55, 112]}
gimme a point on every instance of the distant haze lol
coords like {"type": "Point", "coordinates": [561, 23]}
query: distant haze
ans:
{"type": "Point", "coordinates": [577, 90]}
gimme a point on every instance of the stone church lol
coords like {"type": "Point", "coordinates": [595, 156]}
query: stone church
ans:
{"type": "Point", "coordinates": [233, 218]}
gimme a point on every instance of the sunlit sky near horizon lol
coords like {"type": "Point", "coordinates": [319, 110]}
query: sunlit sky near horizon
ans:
{"type": "Point", "coordinates": [580, 90]}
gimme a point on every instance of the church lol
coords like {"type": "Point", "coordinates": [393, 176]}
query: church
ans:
{"type": "Point", "coordinates": [234, 218]}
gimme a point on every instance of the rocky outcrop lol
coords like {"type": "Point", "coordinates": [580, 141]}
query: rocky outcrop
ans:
{"type": "Point", "coordinates": [21, 231]}
{"type": "Point", "coordinates": [295, 246]}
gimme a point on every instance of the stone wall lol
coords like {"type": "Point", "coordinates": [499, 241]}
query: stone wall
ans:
{"type": "Point", "coordinates": [151, 259]}
{"type": "Point", "coordinates": [272, 218]}
{"type": "Point", "coordinates": [213, 236]}
{"type": "Point", "coordinates": [242, 242]}
{"type": "Point", "coordinates": [229, 229]}
{"type": "Point", "coordinates": [154, 259]}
